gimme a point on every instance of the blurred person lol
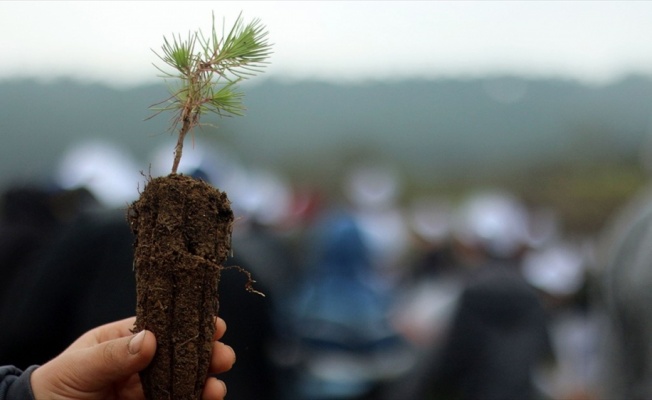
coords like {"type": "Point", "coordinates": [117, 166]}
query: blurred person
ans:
{"type": "Point", "coordinates": [34, 218]}
{"type": "Point", "coordinates": [104, 363]}
{"type": "Point", "coordinates": [498, 333]}
{"type": "Point", "coordinates": [429, 220]}
{"type": "Point", "coordinates": [31, 215]}
{"type": "Point", "coordinates": [427, 295]}
{"type": "Point", "coordinates": [27, 221]}
{"type": "Point", "coordinates": [337, 327]}
{"type": "Point", "coordinates": [625, 272]}
{"type": "Point", "coordinates": [262, 200]}
{"type": "Point", "coordinates": [558, 271]}
{"type": "Point", "coordinates": [372, 190]}
{"type": "Point", "coordinates": [624, 275]}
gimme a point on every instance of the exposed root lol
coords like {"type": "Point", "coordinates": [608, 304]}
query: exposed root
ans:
{"type": "Point", "coordinates": [250, 281]}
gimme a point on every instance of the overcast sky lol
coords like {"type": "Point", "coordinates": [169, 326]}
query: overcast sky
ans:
{"type": "Point", "coordinates": [111, 41]}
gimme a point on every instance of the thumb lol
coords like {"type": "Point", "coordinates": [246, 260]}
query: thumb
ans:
{"type": "Point", "coordinates": [100, 366]}
{"type": "Point", "coordinates": [94, 369]}
{"type": "Point", "coordinates": [119, 358]}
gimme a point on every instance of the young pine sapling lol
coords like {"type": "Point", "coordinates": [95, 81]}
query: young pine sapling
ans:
{"type": "Point", "coordinates": [182, 225]}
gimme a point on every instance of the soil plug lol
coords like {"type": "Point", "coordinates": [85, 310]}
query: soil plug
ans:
{"type": "Point", "coordinates": [183, 225]}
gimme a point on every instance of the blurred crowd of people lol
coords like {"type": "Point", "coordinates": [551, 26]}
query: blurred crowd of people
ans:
{"type": "Point", "coordinates": [367, 297]}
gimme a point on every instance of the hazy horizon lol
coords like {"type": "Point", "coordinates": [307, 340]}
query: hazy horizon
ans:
{"type": "Point", "coordinates": [593, 42]}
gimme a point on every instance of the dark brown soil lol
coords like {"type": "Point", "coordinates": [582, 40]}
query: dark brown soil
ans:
{"type": "Point", "coordinates": [183, 237]}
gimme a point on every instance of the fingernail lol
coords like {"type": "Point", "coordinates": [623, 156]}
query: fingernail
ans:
{"type": "Point", "coordinates": [234, 356]}
{"type": "Point", "coordinates": [136, 342]}
{"type": "Point", "coordinates": [223, 385]}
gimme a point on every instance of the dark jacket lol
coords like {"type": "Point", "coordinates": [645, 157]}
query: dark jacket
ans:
{"type": "Point", "coordinates": [14, 383]}
{"type": "Point", "coordinates": [498, 335]}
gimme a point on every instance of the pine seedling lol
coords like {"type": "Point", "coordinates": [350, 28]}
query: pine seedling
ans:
{"type": "Point", "coordinates": [183, 226]}
{"type": "Point", "coordinates": [205, 72]}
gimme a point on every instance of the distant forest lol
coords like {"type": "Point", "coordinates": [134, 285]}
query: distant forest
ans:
{"type": "Point", "coordinates": [559, 142]}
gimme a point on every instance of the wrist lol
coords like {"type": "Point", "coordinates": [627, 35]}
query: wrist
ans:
{"type": "Point", "coordinates": [41, 384]}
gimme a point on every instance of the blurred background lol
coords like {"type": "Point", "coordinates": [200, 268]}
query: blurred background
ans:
{"type": "Point", "coordinates": [534, 95]}
{"type": "Point", "coordinates": [382, 143]}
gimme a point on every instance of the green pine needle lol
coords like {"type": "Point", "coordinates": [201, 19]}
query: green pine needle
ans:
{"type": "Point", "coordinates": [205, 80]}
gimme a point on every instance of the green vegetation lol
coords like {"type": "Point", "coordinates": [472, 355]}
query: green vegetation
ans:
{"type": "Point", "coordinates": [205, 72]}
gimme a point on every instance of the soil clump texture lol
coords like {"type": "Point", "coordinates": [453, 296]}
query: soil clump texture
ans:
{"type": "Point", "coordinates": [182, 229]}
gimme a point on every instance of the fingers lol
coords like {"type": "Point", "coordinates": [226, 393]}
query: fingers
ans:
{"type": "Point", "coordinates": [214, 389]}
{"type": "Point", "coordinates": [223, 358]}
{"type": "Point", "coordinates": [220, 328]}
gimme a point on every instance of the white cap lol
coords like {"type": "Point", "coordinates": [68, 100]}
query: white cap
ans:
{"type": "Point", "coordinates": [103, 168]}
{"type": "Point", "coordinates": [495, 221]}
{"type": "Point", "coordinates": [558, 270]}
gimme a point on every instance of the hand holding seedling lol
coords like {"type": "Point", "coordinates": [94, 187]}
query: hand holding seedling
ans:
{"type": "Point", "coordinates": [104, 363]}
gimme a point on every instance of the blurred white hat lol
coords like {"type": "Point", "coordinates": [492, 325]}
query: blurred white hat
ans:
{"type": "Point", "coordinates": [430, 218]}
{"type": "Point", "coordinates": [261, 195]}
{"type": "Point", "coordinates": [495, 221]}
{"type": "Point", "coordinates": [558, 269]}
{"type": "Point", "coordinates": [103, 168]}
{"type": "Point", "coordinates": [372, 185]}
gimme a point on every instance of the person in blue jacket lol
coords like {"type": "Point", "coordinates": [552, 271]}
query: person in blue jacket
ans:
{"type": "Point", "coordinates": [104, 364]}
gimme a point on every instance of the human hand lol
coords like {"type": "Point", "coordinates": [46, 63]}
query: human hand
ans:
{"type": "Point", "coordinates": [103, 364]}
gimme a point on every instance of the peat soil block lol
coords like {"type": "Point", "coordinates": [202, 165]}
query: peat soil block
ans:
{"type": "Point", "coordinates": [182, 230]}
